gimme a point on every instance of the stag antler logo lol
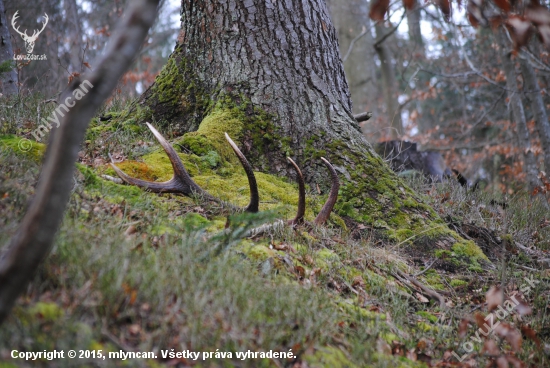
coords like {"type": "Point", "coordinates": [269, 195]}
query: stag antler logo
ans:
{"type": "Point", "coordinates": [29, 40]}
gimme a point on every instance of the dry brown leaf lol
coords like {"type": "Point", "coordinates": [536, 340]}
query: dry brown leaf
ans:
{"type": "Point", "coordinates": [520, 30]}
{"type": "Point", "coordinates": [503, 4]}
{"type": "Point", "coordinates": [358, 282]}
{"type": "Point", "coordinates": [383, 347]}
{"type": "Point", "coordinates": [514, 361]}
{"type": "Point", "coordinates": [411, 355]}
{"type": "Point", "coordinates": [445, 6]}
{"type": "Point", "coordinates": [474, 14]}
{"type": "Point", "coordinates": [409, 4]}
{"type": "Point", "coordinates": [502, 362]}
{"type": "Point", "coordinates": [537, 14]}
{"type": "Point", "coordinates": [281, 246]}
{"type": "Point", "coordinates": [480, 320]}
{"type": "Point", "coordinates": [134, 329]}
{"type": "Point", "coordinates": [463, 327]}
{"type": "Point", "coordinates": [544, 34]}
{"type": "Point", "coordinates": [531, 334]}
{"type": "Point", "coordinates": [378, 9]}
{"type": "Point", "coordinates": [491, 348]}
{"type": "Point", "coordinates": [131, 230]}
{"type": "Point", "coordinates": [510, 334]}
{"type": "Point", "coordinates": [522, 308]}
{"type": "Point", "coordinates": [494, 298]}
{"type": "Point", "coordinates": [421, 298]}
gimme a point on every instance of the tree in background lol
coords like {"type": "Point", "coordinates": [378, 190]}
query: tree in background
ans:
{"type": "Point", "coordinates": [8, 76]}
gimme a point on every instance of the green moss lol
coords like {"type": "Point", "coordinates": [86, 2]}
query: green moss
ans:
{"type": "Point", "coordinates": [23, 146]}
{"type": "Point", "coordinates": [430, 317]}
{"type": "Point", "coordinates": [46, 311]}
{"type": "Point", "coordinates": [423, 326]}
{"type": "Point", "coordinates": [433, 279]}
{"type": "Point", "coordinates": [260, 253]}
{"type": "Point", "coordinates": [468, 249]}
{"type": "Point", "coordinates": [457, 283]}
{"type": "Point", "coordinates": [211, 133]}
{"type": "Point", "coordinates": [328, 356]}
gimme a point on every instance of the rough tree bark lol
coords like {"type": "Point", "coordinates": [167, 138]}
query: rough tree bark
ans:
{"type": "Point", "coordinates": [34, 237]}
{"type": "Point", "coordinates": [278, 63]}
{"type": "Point", "coordinates": [8, 80]}
{"type": "Point", "coordinates": [530, 166]}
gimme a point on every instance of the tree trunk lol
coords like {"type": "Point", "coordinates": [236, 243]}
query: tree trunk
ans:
{"type": "Point", "coordinates": [541, 118]}
{"type": "Point", "coordinates": [529, 161]}
{"type": "Point", "coordinates": [352, 22]}
{"type": "Point", "coordinates": [8, 79]}
{"type": "Point", "coordinates": [388, 84]}
{"type": "Point", "coordinates": [75, 32]}
{"type": "Point", "coordinates": [415, 32]}
{"type": "Point", "coordinates": [275, 66]}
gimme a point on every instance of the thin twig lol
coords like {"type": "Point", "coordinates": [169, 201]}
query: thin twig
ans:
{"type": "Point", "coordinates": [426, 269]}
{"type": "Point", "coordinates": [384, 37]}
{"type": "Point", "coordinates": [430, 292]}
{"type": "Point", "coordinates": [352, 43]}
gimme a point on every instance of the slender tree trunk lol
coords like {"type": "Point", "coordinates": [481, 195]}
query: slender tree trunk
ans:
{"type": "Point", "coordinates": [541, 117]}
{"type": "Point", "coordinates": [352, 22]}
{"type": "Point", "coordinates": [277, 64]}
{"type": "Point", "coordinates": [388, 84]}
{"type": "Point", "coordinates": [415, 32]}
{"type": "Point", "coordinates": [516, 104]}
{"type": "Point", "coordinates": [8, 80]}
{"type": "Point", "coordinates": [75, 34]}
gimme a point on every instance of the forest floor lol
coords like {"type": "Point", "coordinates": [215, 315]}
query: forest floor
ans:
{"type": "Point", "coordinates": [132, 271]}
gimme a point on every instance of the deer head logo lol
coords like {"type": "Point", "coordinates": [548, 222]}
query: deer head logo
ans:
{"type": "Point", "coordinates": [29, 40]}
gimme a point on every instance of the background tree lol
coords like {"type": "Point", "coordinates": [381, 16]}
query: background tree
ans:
{"type": "Point", "coordinates": [8, 77]}
{"type": "Point", "coordinates": [356, 43]}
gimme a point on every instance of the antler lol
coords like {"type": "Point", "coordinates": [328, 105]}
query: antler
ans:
{"type": "Point", "coordinates": [254, 204]}
{"type": "Point", "coordinates": [182, 183]}
{"type": "Point", "coordinates": [301, 195]}
{"type": "Point", "coordinates": [15, 16]}
{"type": "Point", "coordinates": [322, 217]}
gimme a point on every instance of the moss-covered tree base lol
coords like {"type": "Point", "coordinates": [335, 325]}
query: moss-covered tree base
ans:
{"type": "Point", "coordinates": [262, 79]}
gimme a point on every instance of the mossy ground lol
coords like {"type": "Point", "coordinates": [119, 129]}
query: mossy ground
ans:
{"type": "Point", "coordinates": [138, 271]}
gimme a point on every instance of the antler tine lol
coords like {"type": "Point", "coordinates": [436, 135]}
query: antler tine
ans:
{"type": "Point", "coordinates": [322, 217]}
{"type": "Point", "coordinates": [301, 195]}
{"type": "Point", "coordinates": [181, 182]}
{"type": "Point", "coordinates": [254, 204]}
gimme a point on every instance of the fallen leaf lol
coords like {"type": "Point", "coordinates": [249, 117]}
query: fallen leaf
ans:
{"type": "Point", "coordinates": [531, 334]}
{"type": "Point", "coordinates": [494, 298]}
{"type": "Point", "coordinates": [378, 9]}
{"type": "Point", "coordinates": [383, 347]}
